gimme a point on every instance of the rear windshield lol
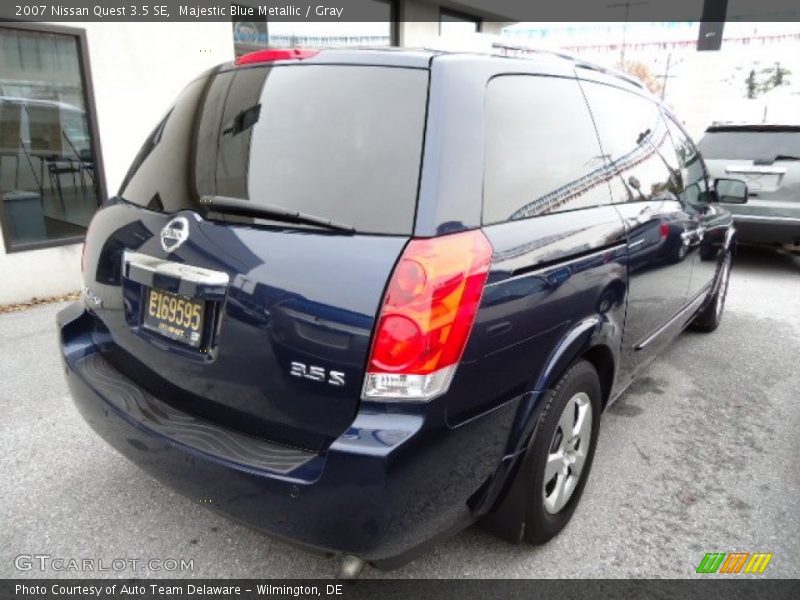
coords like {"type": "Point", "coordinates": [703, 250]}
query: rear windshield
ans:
{"type": "Point", "coordinates": [766, 144]}
{"type": "Point", "coordinates": [339, 142]}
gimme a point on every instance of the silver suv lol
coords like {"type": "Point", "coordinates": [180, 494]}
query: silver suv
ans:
{"type": "Point", "coordinates": [767, 158]}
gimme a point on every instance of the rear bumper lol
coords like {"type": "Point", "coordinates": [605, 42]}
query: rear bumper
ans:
{"type": "Point", "coordinates": [756, 229]}
{"type": "Point", "coordinates": [388, 485]}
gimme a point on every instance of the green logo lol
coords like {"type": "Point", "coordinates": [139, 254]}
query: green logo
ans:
{"type": "Point", "coordinates": [733, 562]}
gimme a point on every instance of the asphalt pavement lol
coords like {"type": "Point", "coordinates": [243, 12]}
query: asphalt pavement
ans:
{"type": "Point", "coordinates": [701, 455]}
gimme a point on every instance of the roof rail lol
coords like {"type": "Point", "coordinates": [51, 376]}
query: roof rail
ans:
{"type": "Point", "coordinates": [505, 49]}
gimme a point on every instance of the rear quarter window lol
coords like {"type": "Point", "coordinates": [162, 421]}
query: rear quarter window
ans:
{"type": "Point", "coordinates": [542, 153]}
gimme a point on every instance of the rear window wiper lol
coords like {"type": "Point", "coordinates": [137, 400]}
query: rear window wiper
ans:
{"type": "Point", "coordinates": [243, 121]}
{"type": "Point", "coordinates": [245, 208]}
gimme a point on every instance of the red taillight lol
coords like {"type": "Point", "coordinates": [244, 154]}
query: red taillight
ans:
{"type": "Point", "coordinates": [663, 230]}
{"type": "Point", "coordinates": [275, 54]}
{"type": "Point", "coordinates": [427, 314]}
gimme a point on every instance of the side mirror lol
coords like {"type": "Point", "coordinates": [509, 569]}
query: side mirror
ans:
{"type": "Point", "coordinates": [731, 191]}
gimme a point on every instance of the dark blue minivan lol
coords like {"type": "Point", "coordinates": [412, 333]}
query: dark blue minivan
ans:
{"type": "Point", "coordinates": [361, 299]}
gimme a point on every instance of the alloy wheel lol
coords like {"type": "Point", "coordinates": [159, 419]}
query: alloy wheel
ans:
{"type": "Point", "coordinates": [568, 450]}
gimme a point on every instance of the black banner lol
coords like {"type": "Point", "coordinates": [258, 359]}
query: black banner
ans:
{"type": "Point", "coordinates": [376, 10]}
{"type": "Point", "coordinates": [390, 589]}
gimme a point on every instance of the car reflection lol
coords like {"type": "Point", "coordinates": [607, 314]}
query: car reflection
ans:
{"type": "Point", "coordinates": [661, 240]}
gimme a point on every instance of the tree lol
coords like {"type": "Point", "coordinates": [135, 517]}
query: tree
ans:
{"type": "Point", "coordinates": [752, 84]}
{"type": "Point", "coordinates": [772, 77]}
{"type": "Point", "coordinates": [643, 73]}
{"type": "Point", "coordinates": [779, 75]}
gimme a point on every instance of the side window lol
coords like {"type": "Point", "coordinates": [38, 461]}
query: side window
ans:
{"type": "Point", "coordinates": [635, 141]}
{"type": "Point", "coordinates": [693, 173]}
{"type": "Point", "coordinates": [542, 154]}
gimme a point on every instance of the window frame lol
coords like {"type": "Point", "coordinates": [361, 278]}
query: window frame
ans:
{"type": "Point", "coordinates": [84, 68]}
{"type": "Point", "coordinates": [461, 16]}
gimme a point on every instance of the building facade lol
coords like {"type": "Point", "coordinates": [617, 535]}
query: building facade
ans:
{"type": "Point", "coordinates": [77, 102]}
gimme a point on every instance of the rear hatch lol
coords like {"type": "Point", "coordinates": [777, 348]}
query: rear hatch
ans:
{"type": "Point", "coordinates": [766, 157]}
{"type": "Point", "coordinates": [239, 273]}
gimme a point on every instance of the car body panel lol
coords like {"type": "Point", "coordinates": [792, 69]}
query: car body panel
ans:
{"type": "Point", "coordinates": [268, 318]}
{"type": "Point", "coordinates": [388, 482]}
{"type": "Point", "coordinates": [315, 464]}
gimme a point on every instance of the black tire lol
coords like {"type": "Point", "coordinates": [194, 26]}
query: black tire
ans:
{"type": "Point", "coordinates": [710, 317]}
{"type": "Point", "coordinates": [541, 523]}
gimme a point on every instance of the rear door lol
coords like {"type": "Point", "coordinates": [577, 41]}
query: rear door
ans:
{"type": "Point", "coordinates": [256, 323]}
{"type": "Point", "coordinates": [660, 229]}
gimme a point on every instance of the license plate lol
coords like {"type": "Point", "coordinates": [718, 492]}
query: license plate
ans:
{"type": "Point", "coordinates": [175, 317]}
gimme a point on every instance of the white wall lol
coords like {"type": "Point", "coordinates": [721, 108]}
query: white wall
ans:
{"type": "Point", "coordinates": [137, 70]}
{"type": "Point", "coordinates": [39, 273]}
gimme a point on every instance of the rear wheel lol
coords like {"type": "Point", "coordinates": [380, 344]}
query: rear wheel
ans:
{"type": "Point", "coordinates": [563, 449]}
{"type": "Point", "coordinates": [711, 316]}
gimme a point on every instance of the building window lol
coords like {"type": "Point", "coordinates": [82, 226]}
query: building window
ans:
{"type": "Point", "coordinates": [452, 24]}
{"type": "Point", "coordinates": [377, 28]}
{"type": "Point", "coordinates": [48, 167]}
{"type": "Point", "coordinates": [250, 33]}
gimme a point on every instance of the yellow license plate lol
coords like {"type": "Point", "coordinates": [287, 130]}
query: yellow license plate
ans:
{"type": "Point", "coordinates": [175, 317]}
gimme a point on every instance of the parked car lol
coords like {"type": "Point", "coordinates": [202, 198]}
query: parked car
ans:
{"type": "Point", "coordinates": [767, 158]}
{"type": "Point", "coordinates": [361, 299]}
